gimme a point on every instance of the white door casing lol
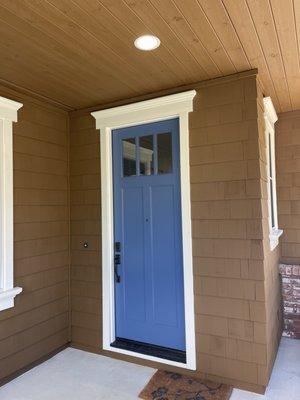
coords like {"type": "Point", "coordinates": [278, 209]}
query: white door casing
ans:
{"type": "Point", "coordinates": [172, 106]}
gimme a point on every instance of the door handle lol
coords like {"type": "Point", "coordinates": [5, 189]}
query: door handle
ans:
{"type": "Point", "coordinates": [117, 261]}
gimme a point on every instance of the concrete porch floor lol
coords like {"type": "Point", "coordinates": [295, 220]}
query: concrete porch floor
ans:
{"type": "Point", "coordinates": [78, 375]}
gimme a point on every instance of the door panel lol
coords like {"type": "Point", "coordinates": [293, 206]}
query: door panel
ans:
{"type": "Point", "coordinates": [163, 256]}
{"type": "Point", "coordinates": [133, 237]}
{"type": "Point", "coordinates": [147, 222]}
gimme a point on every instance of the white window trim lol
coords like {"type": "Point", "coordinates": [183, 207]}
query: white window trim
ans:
{"type": "Point", "coordinates": [177, 105]}
{"type": "Point", "coordinates": [8, 115]}
{"type": "Point", "coordinates": [270, 119]}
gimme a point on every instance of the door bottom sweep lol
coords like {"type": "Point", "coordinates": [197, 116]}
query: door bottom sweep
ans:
{"type": "Point", "coordinates": [150, 350]}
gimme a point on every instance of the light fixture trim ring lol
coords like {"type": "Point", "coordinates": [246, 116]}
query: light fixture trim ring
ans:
{"type": "Point", "coordinates": [147, 42]}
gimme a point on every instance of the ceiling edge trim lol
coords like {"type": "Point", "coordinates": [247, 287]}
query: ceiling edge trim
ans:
{"type": "Point", "coordinates": [289, 114]}
{"type": "Point", "coordinates": [196, 85]}
{"type": "Point", "coordinates": [30, 94]}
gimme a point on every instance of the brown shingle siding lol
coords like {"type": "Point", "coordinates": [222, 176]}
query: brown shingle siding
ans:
{"type": "Point", "coordinates": [288, 183]}
{"type": "Point", "coordinates": [38, 324]}
{"type": "Point", "coordinates": [85, 226]}
{"type": "Point", "coordinates": [228, 195]}
{"type": "Point", "coordinates": [267, 322]}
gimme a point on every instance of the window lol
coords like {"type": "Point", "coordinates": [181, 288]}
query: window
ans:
{"type": "Point", "coordinates": [270, 119]}
{"type": "Point", "coordinates": [8, 115]}
{"type": "Point", "coordinates": [164, 153]}
{"type": "Point", "coordinates": [129, 157]}
{"type": "Point", "coordinates": [147, 155]}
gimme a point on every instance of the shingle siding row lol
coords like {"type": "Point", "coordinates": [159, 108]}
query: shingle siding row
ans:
{"type": "Point", "coordinates": [234, 279]}
{"type": "Point", "coordinates": [58, 207]}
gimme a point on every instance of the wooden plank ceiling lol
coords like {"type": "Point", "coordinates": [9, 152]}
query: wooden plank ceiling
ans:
{"type": "Point", "coordinates": [80, 52]}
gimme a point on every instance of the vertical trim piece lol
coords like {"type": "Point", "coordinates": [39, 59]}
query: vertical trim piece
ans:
{"type": "Point", "coordinates": [177, 105]}
{"type": "Point", "coordinates": [8, 114]}
{"type": "Point", "coordinates": [187, 237]}
{"type": "Point", "coordinates": [270, 119]}
{"type": "Point", "coordinates": [107, 237]}
{"type": "Point", "coordinates": [69, 233]}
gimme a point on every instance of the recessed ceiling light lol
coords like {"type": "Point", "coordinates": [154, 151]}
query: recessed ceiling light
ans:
{"type": "Point", "coordinates": [147, 42]}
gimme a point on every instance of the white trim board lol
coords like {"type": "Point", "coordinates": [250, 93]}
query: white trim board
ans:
{"type": "Point", "coordinates": [270, 119]}
{"type": "Point", "coordinates": [177, 105]}
{"type": "Point", "coordinates": [8, 115]}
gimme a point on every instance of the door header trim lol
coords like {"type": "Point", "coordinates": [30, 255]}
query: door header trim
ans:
{"type": "Point", "coordinates": [162, 108]}
{"type": "Point", "coordinates": [145, 111]}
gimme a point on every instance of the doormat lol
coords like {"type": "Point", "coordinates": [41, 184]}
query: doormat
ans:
{"type": "Point", "coordinates": [172, 386]}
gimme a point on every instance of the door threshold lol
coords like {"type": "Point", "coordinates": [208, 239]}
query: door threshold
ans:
{"type": "Point", "coordinates": [150, 350]}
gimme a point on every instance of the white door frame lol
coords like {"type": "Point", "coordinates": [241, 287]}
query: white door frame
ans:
{"type": "Point", "coordinates": [167, 107]}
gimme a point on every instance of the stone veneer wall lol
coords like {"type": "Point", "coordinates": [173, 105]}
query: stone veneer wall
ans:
{"type": "Point", "coordinates": [233, 270]}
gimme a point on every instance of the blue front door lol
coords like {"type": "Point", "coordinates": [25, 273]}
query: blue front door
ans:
{"type": "Point", "coordinates": [149, 297]}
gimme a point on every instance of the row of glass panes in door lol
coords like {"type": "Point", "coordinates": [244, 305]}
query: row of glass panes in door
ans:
{"type": "Point", "coordinates": [147, 155]}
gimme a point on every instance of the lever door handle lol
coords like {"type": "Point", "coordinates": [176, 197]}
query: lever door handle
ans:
{"type": "Point", "coordinates": [117, 262]}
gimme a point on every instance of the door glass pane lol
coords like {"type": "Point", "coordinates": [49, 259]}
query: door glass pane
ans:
{"type": "Point", "coordinates": [146, 155]}
{"type": "Point", "coordinates": [129, 157]}
{"type": "Point", "coordinates": [164, 153]}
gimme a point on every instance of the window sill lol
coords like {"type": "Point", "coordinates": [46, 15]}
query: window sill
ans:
{"type": "Point", "coordinates": [7, 297]}
{"type": "Point", "coordinates": [274, 238]}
